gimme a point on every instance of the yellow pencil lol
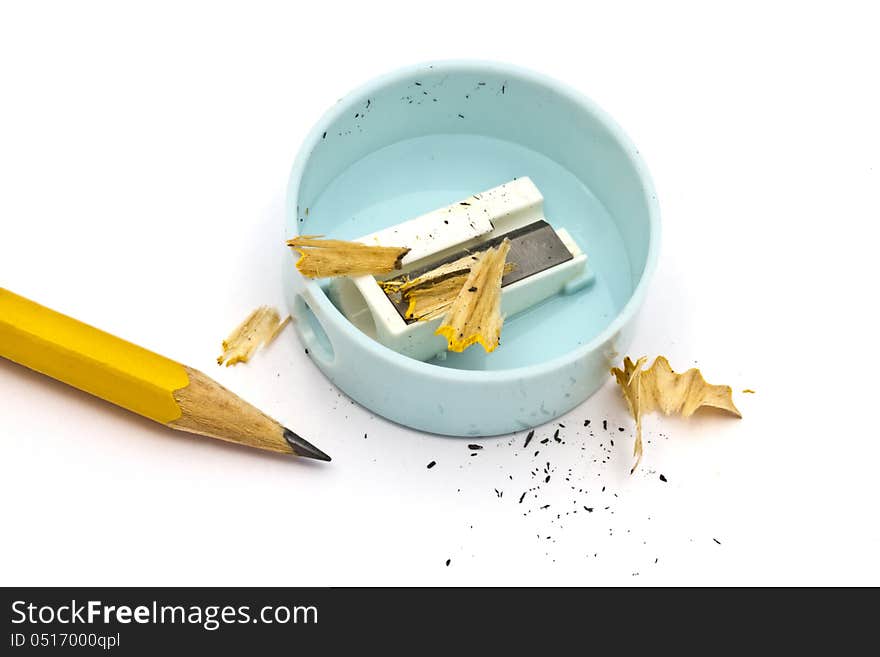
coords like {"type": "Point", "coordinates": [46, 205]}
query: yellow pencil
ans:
{"type": "Point", "coordinates": [135, 378]}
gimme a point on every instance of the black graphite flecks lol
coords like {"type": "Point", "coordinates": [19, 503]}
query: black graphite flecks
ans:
{"type": "Point", "coordinates": [432, 464]}
{"type": "Point", "coordinates": [472, 289]}
{"type": "Point", "coordinates": [663, 478]}
{"type": "Point", "coordinates": [717, 541]}
{"type": "Point", "coordinates": [541, 493]}
{"type": "Point", "coordinates": [621, 429]}
{"type": "Point", "coordinates": [448, 561]}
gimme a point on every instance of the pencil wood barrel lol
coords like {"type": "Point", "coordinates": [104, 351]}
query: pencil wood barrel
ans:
{"type": "Point", "coordinates": [135, 378]}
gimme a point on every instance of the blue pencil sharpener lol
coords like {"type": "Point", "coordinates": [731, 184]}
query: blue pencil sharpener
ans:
{"type": "Point", "coordinates": [492, 150]}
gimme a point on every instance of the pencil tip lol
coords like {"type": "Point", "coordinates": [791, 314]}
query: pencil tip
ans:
{"type": "Point", "coordinates": [302, 447]}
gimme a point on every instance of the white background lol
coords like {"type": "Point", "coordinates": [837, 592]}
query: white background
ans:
{"type": "Point", "coordinates": [144, 150]}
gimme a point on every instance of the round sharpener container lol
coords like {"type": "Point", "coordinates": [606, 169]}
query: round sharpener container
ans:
{"type": "Point", "coordinates": [430, 135]}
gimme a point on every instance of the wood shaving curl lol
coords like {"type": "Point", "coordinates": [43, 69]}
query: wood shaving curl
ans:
{"type": "Point", "coordinates": [431, 294]}
{"type": "Point", "coordinates": [258, 329]}
{"type": "Point", "coordinates": [660, 388]}
{"type": "Point", "coordinates": [323, 258]}
{"type": "Point", "coordinates": [428, 302]}
{"type": "Point", "coordinates": [475, 315]}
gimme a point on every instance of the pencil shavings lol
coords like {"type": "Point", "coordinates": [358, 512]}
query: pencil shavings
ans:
{"type": "Point", "coordinates": [431, 294]}
{"type": "Point", "coordinates": [433, 300]}
{"type": "Point", "coordinates": [475, 315]}
{"type": "Point", "coordinates": [259, 329]}
{"type": "Point", "coordinates": [660, 388]}
{"type": "Point", "coordinates": [323, 258]}
{"type": "Point", "coordinates": [430, 301]}
{"type": "Point", "coordinates": [405, 285]}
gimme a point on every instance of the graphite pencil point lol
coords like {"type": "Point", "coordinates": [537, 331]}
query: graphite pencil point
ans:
{"type": "Point", "coordinates": [302, 447]}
